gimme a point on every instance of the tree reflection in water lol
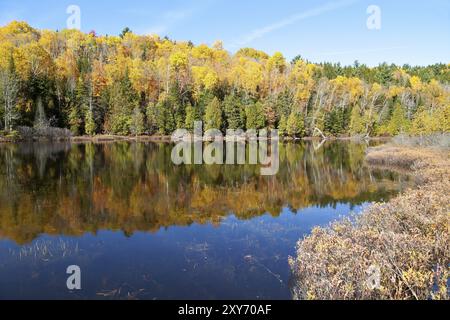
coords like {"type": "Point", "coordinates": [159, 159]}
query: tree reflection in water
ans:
{"type": "Point", "coordinates": [72, 189]}
{"type": "Point", "coordinates": [141, 227]}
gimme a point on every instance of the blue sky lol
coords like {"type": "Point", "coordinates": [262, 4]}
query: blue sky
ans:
{"type": "Point", "coordinates": [414, 32]}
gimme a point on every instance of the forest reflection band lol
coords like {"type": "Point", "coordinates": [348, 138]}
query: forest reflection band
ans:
{"type": "Point", "coordinates": [263, 148]}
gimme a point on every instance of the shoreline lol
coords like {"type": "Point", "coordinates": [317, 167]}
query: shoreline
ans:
{"type": "Point", "coordinates": [406, 238]}
{"type": "Point", "coordinates": [168, 139]}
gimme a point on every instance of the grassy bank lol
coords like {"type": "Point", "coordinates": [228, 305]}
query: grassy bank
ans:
{"type": "Point", "coordinates": [114, 138]}
{"type": "Point", "coordinates": [27, 134]}
{"type": "Point", "coordinates": [406, 239]}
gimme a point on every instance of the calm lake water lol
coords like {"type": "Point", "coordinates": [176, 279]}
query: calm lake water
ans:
{"type": "Point", "coordinates": [140, 227]}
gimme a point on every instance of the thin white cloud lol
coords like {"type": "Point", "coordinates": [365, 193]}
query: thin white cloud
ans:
{"type": "Point", "coordinates": [261, 32]}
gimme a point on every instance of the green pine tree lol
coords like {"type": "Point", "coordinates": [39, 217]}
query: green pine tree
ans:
{"type": "Point", "coordinates": [190, 117]}
{"type": "Point", "coordinates": [165, 117]}
{"type": "Point", "coordinates": [282, 126]}
{"type": "Point", "coordinates": [151, 116]}
{"type": "Point", "coordinates": [296, 125]}
{"type": "Point", "coordinates": [234, 112]}
{"type": "Point", "coordinates": [213, 115]}
{"type": "Point", "coordinates": [123, 101]}
{"type": "Point", "coordinates": [357, 122]}
{"type": "Point", "coordinates": [398, 122]}
{"type": "Point", "coordinates": [255, 116]}
{"type": "Point", "coordinates": [89, 126]}
{"type": "Point", "coordinates": [75, 120]}
{"type": "Point", "coordinates": [137, 127]}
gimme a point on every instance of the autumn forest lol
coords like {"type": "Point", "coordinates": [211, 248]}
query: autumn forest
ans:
{"type": "Point", "coordinates": [147, 85]}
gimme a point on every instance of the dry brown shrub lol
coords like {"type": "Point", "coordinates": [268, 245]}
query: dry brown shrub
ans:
{"type": "Point", "coordinates": [406, 238]}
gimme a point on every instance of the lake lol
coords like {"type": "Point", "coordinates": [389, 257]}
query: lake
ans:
{"type": "Point", "coordinates": [140, 227]}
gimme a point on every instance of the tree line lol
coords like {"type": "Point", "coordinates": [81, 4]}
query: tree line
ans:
{"type": "Point", "coordinates": [134, 85]}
